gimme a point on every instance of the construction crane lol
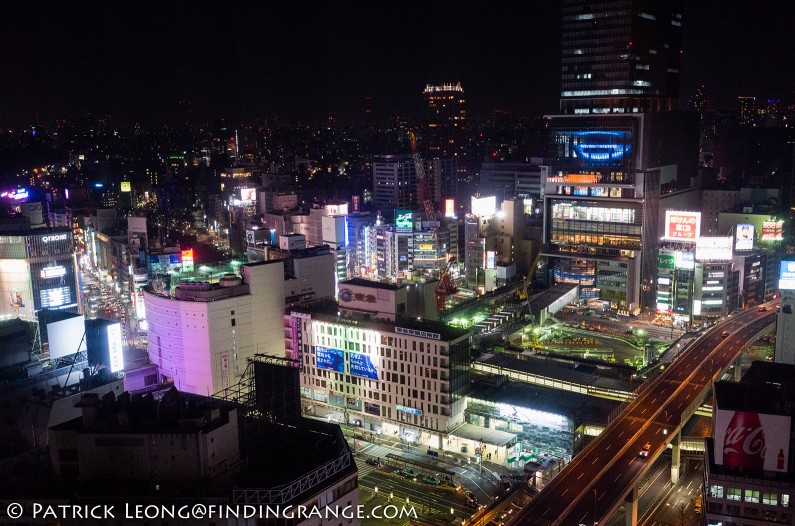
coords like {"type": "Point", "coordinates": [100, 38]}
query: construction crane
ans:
{"type": "Point", "coordinates": [528, 280]}
{"type": "Point", "coordinates": [445, 287]}
{"type": "Point", "coordinates": [423, 184]}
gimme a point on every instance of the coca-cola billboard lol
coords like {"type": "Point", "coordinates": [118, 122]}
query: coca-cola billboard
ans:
{"type": "Point", "coordinates": [747, 439]}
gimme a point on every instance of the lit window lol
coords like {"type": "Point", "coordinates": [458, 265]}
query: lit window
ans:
{"type": "Point", "coordinates": [769, 498]}
{"type": "Point", "coordinates": [751, 495]}
{"type": "Point", "coordinates": [733, 493]}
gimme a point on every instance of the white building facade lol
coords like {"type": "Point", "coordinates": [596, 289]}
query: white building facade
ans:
{"type": "Point", "coordinates": [200, 338]}
{"type": "Point", "coordinates": [402, 378]}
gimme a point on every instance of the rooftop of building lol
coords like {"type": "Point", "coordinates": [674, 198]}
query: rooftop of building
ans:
{"type": "Point", "coordinates": [578, 407]}
{"type": "Point", "coordinates": [328, 310]}
{"type": "Point", "coordinates": [361, 282]}
{"type": "Point", "coordinates": [20, 226]}
{"type": "Point", "coordinates": [167, 411]}
{"type": "Point", "coordinates": [580, 374]}
{"type": "Point", "coordinates": [279, 454]}
{"type": "Point", "coordinates": [758, 209]}
{"type": "Point", "coordinates": [229, 286]}
{"type": "Point", "coordinates": [766, 387]}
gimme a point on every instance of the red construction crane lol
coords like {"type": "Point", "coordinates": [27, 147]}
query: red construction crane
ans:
{"type": "Point", "coordinates": [445, 287]}
{"type": "Point", "coordinates": [423, 184]}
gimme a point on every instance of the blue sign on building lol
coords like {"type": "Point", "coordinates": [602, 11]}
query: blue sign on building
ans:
{"type": "Point", "coordinates": [362, 366]}
{"type": "Point", "coordinates": [331, 359]}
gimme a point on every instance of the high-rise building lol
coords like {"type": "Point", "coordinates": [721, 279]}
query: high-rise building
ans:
{"type": "Point", "coordinates": [445, 136]}
{"type": "Point", "coordinates": [616, 146]}
{"type": "Point", "coordinates": [446, 120]}
{"type": "Point", "coordinates": [746, 109]}
{"type": "Point", "coordinates": [201, 337]}
{"type": "Point", "coordinates": [620, 56]}
{"type": "Point", "coordinates": [394, 182]}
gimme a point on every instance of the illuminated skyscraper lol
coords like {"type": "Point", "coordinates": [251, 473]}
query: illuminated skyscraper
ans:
{"type": "Point", "coordinates": [602, 180]}
{"type": "Point", "coordinates": [446, 120]}
{"type": "Point", "coordinates": [620, 56]}
{"type": "Point", "coordinates": [445, 135]}
{"type": "Point", "coordinates": [746, 107]}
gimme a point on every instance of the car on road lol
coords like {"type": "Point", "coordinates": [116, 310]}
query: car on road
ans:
{"type": "Point", "coordinates": [373, 462]}
{"type": "Point", "coordinates": [762, 308]}
{"type": "Point", "coordinates": [409, 473]}
{"type": "Point", "coordinates": [724, 333]}
{"type": "Point", "coordinates": [645, 451]}
{"type": "Point", "coordinates": [472, 503]}
{"type": "Point", "coordinates": [430, 479]}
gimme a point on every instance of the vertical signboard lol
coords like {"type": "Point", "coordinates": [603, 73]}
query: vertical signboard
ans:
{"type": "Point", "coordinates": [744, 237]}
{"type": "Point", "coordinates": [115, 351]}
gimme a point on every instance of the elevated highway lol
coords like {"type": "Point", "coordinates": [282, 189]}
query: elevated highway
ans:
{"type": "Point", "coordinates": [606, 473]}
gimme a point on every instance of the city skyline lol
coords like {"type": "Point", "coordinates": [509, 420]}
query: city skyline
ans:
{"type": "Point", "coordinates": [302, 62]}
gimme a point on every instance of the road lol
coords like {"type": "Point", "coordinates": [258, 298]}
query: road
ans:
{"type": "Point", "coordinates": [660, 502]}
{"type": "Point", "coordinates": [597, 480]}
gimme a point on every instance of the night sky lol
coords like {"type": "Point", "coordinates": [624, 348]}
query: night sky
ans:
{"type": "Point", "coordinates": [136, 60]}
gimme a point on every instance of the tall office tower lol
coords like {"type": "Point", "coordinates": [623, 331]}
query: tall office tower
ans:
{"type": "Point", "coordinates": [394, 182]}
{"type": "Point", "coordinates": [616, 144]}
{"type": "Point", "coordinates": [446, 120]}
{"type": "Point", "coordinates": [746, 109]}
{"type": "Point", "coordinates": [445, 134]}
{"type": "Point", "coordinates": [620, 56]}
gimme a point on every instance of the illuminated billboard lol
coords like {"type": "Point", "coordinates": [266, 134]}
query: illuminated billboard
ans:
{"type": "Point", "coordinates": [682, 226]}
{"type": "Point", "coordinates": [491, 259]}
{"type": "Point", "coordinates": [115, 351]}
{"type": "Point", "coordinates": [362, 365]}
{"type": "Point", "coordinates": [404, 220]}
{"type": "Point", "coordinates": [449, 208]}
{"type": "Point", "coordinates": [665, 261]}
{"type": "Point", "coordinates": [744, 237]}
{"type": "Point", "coordinates": [66, 337]}
{"type": "Point", "coordinates": [602, 146]}
{"type": "Point", "coordinates": [786, 278]}
{"type": "Point", "coordinates": [772, 231]}
{"type": "Point", "coordinates": [331, 359]}
{"type": "Point", "coordinates": [747, 439]}
{"type": "Point", "coordinates": [187, 260]}
{"type": "Point", "coordinates": [684, 260]}
{"type": "Point", "coordinates": [126, 187]}
{"type": "Point", "coordinates": [55, 297]}
{"type": "Point", "coordinates": [56, 271]}
{"type": "Point", "coordinates": [248, 195]}
{"type": "Point", "coordinates": [484, 206]}
{"type": "Point", "coordinates": [714, 248]}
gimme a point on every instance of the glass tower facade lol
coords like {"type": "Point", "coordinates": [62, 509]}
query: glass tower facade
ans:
{"type": "Point", "coordinates": [620, 56]}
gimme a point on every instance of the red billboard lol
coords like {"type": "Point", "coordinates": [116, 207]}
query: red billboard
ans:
{"type": "Point", "coordinates": [682, 226]}
{"type": "Point", "coordinates": [772, 230]}
{"type": "Point", "coordinates": [746, 439]}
